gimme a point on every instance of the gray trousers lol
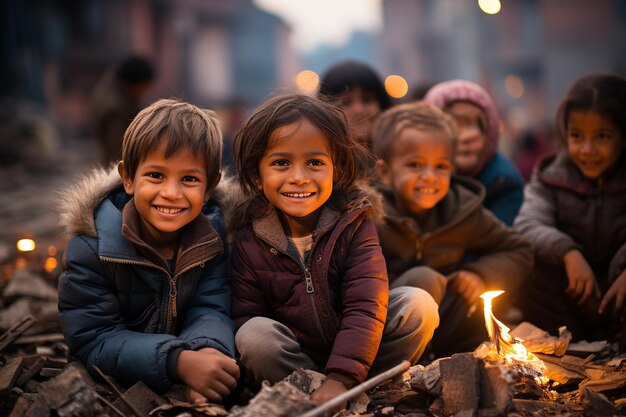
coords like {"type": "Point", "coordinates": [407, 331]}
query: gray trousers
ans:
{"type": "Point", "coordinates": [270, 351]}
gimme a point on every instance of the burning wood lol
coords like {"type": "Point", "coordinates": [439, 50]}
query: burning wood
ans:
{"type": "Point", "coordinates": [504, 348]}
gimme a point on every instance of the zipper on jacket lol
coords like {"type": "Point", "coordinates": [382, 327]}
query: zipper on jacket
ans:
{"type": "Point", "coordinates": [308, 281]}
{"type": "Point", "coordinates": [419, 246]}
{"type": "Point", "coordinates": [171, 310]}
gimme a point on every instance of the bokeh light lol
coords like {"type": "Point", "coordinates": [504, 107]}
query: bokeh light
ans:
{"type": "Point", "coordinates": [52, 250]}
{"type": "Point", "coordinates": [25, 245]}
{"type": "Point", "coordinates": [396, 86]}
{"type": "Point", "coordinates": [490, 6]}
{"type": "Point", "coordinates": [514, 86]}
{"type": "Point", "coordinates": [51, 264]}
{"type": "Point", "coordinates": [307, 81]}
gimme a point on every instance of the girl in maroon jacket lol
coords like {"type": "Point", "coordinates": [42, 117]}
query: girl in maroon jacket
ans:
{"type": "Point", "coordinates": [310, 284]}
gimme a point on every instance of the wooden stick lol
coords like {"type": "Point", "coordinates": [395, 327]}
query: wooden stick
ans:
{"type": "Point", "coordinates": [359, 389]}
{"type": "Point", "coordinates": [108, 380]}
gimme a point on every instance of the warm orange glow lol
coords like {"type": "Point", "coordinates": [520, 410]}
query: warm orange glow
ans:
{"type": "Point", "coordinates": [396, 86]}
{"type": "Point", "coordinates": [52, 250]}
{"type": "Point", "coordinates": [490, 6]}
{"type": "Point", "coordinates": [51, 264]}
{"type": "Point", "coordinates": [20, 263]}
{"type": "Point", "coordinates": [511, 350]}
{"type": "Point", "coordinates": [514, 86]}
{"type": "Point", "coordinates": [25, 245]}
{"type": "Point", "coordinates": [307, 81]}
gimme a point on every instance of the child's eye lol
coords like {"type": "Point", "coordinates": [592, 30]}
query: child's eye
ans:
{"type": "Point", "coordinates": [190, 178]}
{"type": "Point", "coordinates": [604, 136]}
{"type": "Point", "coordinates": [280, 163]}
{"type": "Point", "coordinates": [415, 164]}
{"type": "Point", "coordinates": [574, 135]}
{"type": "Point", "coordinates": [444, 166]}
{"type": "Point", "coordinates": [154, 175]}
{"type": "Point", "coordinates": [316, 163]}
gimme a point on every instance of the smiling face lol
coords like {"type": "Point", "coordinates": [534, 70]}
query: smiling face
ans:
{"type": "Point", "coordinates": [471, 128]}
{"type": "Point", "coordinates": [418, 170]}
{"type": "Point", "coordinates": [361, 108]}
{"type": "Point", "coordinates": [593, 142]}
{"type": "Point", "coordinates": [296, 175]}
{"type": "Point", "coordinates": [168, 193]}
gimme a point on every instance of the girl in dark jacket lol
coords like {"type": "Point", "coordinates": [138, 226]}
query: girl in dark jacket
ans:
{"type": "Point", "coordinates": [309, 280]}
{"type": "Point", "coordinates": [574, 214]}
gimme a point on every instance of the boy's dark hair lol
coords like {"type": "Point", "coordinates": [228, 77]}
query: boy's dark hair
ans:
{"type": "Point", "coordinates": [346, 75]}
{"type": "Point", "coordinates": [255, 136]}
{"type": "Point", "coordinates": [182, 126]}
{"type": "Point", "coordinates": [420, 116]}
{"type": "Point", "coordinates": [134, 70]}
{"type": "Point", "coordinates": [599, 92]}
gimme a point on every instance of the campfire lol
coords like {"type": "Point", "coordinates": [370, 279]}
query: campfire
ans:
{"type": "Point", "coordinates": [509, 350]}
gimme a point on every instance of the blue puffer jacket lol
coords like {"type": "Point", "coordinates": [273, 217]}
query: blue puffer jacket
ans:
{"type": "Point", "coordinates": [505, 188]}
{"type": "Point", "coordinates": [119, 306]}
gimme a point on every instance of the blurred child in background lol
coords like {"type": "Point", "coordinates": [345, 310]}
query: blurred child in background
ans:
{"type": "Point", "coordinates": [476, 154]}
{"type": "Point", "coordinates": [356, 89]}
{"type": "Point", "coordinates": [574, 213]}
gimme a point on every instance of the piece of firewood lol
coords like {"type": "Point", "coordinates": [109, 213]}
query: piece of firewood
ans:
{"type": "Point", "coordinates": [538, 340]}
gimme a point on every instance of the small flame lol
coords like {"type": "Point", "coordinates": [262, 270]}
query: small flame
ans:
{"type": "Point", "coordinates": [511, 350]}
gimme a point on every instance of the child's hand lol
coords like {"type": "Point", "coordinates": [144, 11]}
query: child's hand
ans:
{"type": "Point", "coordinates": [582, 282]}
{"type": "Point", "coordinates": [617, 291]}
{"type": "Point", "coordinates": [329, 389]}
{"type": "Point", "coordinates": [469, 286]}
{"type": "Point", "coordinates": [208, 373]}
{"type": "Point", "coordinates": [194, 396]}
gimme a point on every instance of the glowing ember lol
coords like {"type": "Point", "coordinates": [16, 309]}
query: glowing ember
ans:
{"type": "Point", "coordinates": [510, 350]}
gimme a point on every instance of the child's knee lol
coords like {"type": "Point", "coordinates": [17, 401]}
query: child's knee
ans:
{"type": "Point", "coordinates": [425, 278]}
{"type": "Point", "coordinates": [414, 309]}
{"type": "Point", "coordinates": [254, 337]}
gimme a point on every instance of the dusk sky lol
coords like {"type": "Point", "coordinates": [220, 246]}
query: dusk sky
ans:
{"type": "Point", "coordinates": [317, 22]}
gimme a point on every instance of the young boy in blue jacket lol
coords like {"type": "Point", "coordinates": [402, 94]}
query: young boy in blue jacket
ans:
{"type": "Point", "coordinates": [144, 294]}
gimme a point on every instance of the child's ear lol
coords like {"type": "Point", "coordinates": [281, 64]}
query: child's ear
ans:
{"type": "Point", "coordinates": [258, 184]}
{"type": "Point", "coordinates": [126, 180]}
{"type": "Point", "coordinates": [212, 187]}
{"type": "Point", "coordinates": [383, 172]}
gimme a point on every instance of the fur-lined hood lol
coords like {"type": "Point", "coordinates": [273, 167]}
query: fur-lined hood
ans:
{"type": "Point", "coordinates": [78, 202]}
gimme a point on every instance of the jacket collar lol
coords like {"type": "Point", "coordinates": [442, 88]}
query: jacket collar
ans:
{"type": "Point", "coordinates": [119, 238]}
{"type": "Point", "coordinates": [559, 171]}
{"type": "Point", "coordinates": [464, 197]}
{"type": "Point", "coordinates": [269, 227]}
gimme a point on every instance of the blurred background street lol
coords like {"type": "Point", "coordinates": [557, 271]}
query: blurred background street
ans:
{"type": "Point", "coordinates": [231, 55]}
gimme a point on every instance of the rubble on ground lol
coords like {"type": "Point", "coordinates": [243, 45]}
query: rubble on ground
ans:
{"type": "Point", "coordinates": [585, 378]}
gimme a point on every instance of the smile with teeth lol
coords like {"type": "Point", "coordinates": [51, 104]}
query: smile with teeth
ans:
{"type": "Point", "coordinates": [427, 190]}
{"type": "Point", "coordinates": [168, 210]}
{"type": "Point", "coordinates": [298, 195]}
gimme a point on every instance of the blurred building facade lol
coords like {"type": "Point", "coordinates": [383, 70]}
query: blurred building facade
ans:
{"type": "Point", "coordinates": [214, 53]}
{"type": "Point", "coordinates": [542, 46]}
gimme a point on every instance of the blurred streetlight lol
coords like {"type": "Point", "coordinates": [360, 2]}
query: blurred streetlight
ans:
{"type": "Point", "coordinates": [25, 245]}
{"type": "Point", "coordinates": [307, 81]}
{"type": "Point", "coordinates": [396, 86]}
{"type": "Point", "coordinates": [490, 6]}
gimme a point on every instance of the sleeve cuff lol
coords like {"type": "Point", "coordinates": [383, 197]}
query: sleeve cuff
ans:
{"type": "Point", "coordinates": [172, 360]}
{"type": "Point", "coordinates": [345, 380]}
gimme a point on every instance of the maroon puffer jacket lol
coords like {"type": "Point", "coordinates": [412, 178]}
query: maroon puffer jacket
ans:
{"type": "Point", "coordinates": [336, 305]}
